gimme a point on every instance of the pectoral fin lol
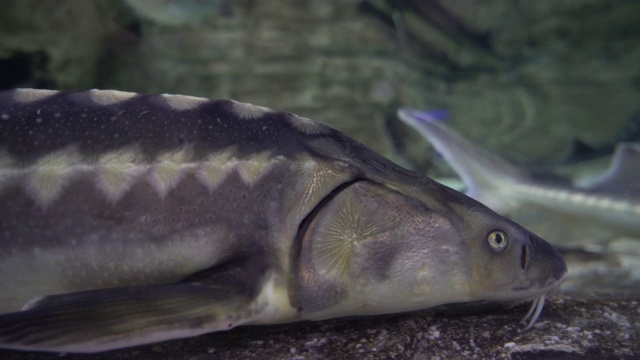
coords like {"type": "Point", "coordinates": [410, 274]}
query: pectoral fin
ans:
{"type": "Point", "coordinates": [99, 320]}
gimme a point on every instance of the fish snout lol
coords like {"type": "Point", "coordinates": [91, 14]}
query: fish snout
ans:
{"type": "Point", "coordinates": [545, 263]}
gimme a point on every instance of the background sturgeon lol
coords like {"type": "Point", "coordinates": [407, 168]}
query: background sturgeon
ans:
{"type": "Point", "coordinates": [129, 219]}
{"type": "Point", "coordinates": [582, 215]}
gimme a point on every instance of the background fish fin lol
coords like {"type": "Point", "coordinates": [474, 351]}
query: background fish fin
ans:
{"type": "Point", "coordinates": [99, 320]}
{"type": "Point", "coordinates": [623, 175]}
{"type": "Point", "coordinates": [581, 151]}
{"type": "Point", "coordinates": [485, 174]}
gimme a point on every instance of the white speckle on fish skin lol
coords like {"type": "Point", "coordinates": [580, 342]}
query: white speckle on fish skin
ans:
{"type": "Point", "coordinates": [108, 97]}
{"type": "Point", "coordinates": [5, 116]}
{"type": "Point", "coordinates": [621, 206]}
{"type": "Point", "coordinates": [591, 200]}
{"type": "Point", "coordinates": [563, 195]}
{"type": "Point", "coordinates": [604, 203]}
{"type": "Point", "coordinates": [6, 161]}
{"type": "Point", "coordinates": [249, 111]}
{"type": "Point", "coordinates": [317, 179]}
{"type": "Point", "coordinates": [170, 168]}
{"type": "Point", "coordinates": [215, 168]}
{"type": "Point", "coordinates": [577, 198]}
{"type": "Point", "coordinates": [50, 174]}
{"type": "Point", "coordinates": [182, 102]}
{"type": "Point", "coordinates": [218, 166]}
{"type": "Point", "coordinates": [7, 175]}
{"type": "Point", "coordinates": [252, 169]}
{"type": "Point", "coordinates": [118, 171]}
{"type": "Point", "coordinates": [307, 125]}
{"type": "Point", "coordinates": [31, 95]}
{"type": "Point", "coordinates": [114, 173]}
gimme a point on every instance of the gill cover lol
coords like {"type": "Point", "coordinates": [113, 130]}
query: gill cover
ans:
{"type": "Point", "coordinates": [370, 248]}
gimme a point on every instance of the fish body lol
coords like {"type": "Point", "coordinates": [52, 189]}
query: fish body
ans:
{"type": "Point", "coordinates": [129, 219]}
{"type": "Point", "coordinates": [591, 212]}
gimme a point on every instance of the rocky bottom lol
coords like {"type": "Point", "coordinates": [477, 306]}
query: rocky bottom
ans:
{"type": "Point", "coordinates": [570, 327]}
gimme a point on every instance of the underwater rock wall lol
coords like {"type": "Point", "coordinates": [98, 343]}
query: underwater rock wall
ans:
{"type": "Point", "coordinates": [527, 79]}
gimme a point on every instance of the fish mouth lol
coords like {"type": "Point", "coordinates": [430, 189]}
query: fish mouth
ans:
{"type": "Point", "coordinates": [542, 262]}
{"type": "Point", "coordinates": [538, 297]}
{"type": "Point", "coordinates": [537, 294]}
{"type": "Point", "coordinates": [534, 312]}
{"type": "Point", "coordinates": [532, 292]}
{"type": "Point", "coordinates": [538, 302]}
{"type": "Point", "coordinates": [520, 293]}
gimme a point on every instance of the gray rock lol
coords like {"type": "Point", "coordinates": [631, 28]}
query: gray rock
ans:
{"type": "Point", "coordinates": [571, 327]}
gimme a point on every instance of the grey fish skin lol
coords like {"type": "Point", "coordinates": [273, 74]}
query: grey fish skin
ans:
{"type": "Point", "coordinates": [130, 219]}
{"type": "Point", "coordinates": [588, 214]}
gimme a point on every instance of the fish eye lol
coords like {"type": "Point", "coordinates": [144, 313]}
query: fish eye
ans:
{"type": "Point", "coordinates": [498, 240]}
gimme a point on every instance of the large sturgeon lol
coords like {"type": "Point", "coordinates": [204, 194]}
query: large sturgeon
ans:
{"type": "Point", "coordinates": [583, 214]}
{"type": "Point", "coordinates": [129, 219]}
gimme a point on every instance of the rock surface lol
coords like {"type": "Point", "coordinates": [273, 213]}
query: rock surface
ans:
{"type": "Point", "coordinates": [580, 327]}
{"type": "Point", "coordinates": [525, 79]}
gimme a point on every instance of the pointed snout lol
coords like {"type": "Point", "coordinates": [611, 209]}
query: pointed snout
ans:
{"type": "Point", "coordinates": [546, 262]}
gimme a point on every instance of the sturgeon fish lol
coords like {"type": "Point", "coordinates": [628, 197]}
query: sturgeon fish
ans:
{"type": "Point", "coordinates": [130, 219]}
{"type": "Point", "coordinates": [585, 214]}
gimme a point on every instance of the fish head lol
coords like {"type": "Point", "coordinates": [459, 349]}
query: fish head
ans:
{"type": "Point", "coordinates": [470, 251]}
{"type": "Point", "coordinates": [507, 261]}
{"type": "Point", "coordinates": [383, 248]}
{"type": "Point", "coordinates": [479, 254]}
